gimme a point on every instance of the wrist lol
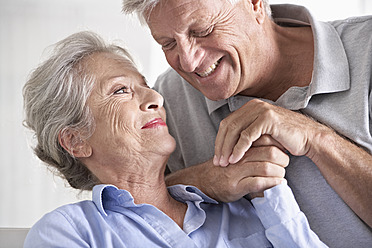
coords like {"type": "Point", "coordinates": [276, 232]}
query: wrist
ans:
{"type": "Point", "coordinates": [322, 141]}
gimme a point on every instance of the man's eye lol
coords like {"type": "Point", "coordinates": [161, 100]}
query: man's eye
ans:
{"type": "Point", "coordinates": [204, 32]}
{"type": "Point", "coordinates": [168, 46]}
{"type": "Point", "coordinates": [122, 90]}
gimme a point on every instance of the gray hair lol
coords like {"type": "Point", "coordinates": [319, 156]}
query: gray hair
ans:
{"type": "Point", "coordinates": [55, 100]}
{"type": "Point", "coordinates": [140, 7]}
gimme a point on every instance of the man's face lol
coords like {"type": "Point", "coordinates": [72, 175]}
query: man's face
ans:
{"type": "Point", "coordinates": [213, 44]}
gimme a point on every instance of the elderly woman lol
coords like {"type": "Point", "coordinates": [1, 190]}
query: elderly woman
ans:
{"type": "Point", "coordinates": [99, 124]}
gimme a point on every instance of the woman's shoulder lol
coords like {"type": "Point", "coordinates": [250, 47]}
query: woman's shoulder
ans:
{"type": "Point", "coordinates": [68, 220]}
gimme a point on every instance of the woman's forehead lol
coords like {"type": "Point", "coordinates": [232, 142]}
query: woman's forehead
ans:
{"type": "Point", "coordinates": [105, 66]}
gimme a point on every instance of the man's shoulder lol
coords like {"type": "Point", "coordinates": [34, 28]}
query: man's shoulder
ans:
{"type": "Point", "coordinates": [359, 25]}
{"type": "Point", "coordinates": [361, 20]}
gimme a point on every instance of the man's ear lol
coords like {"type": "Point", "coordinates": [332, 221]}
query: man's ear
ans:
{"type": "Point", "coordinates": [71, 141]}
{"type": "Point", "coordinates": [259, 10]}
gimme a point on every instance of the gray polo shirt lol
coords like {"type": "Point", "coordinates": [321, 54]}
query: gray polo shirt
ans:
{"type": "Point", "coordinates": [339, 96]}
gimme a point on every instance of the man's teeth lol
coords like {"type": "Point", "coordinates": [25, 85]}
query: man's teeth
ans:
{"type": "Point", "coordinates": [209, 70]}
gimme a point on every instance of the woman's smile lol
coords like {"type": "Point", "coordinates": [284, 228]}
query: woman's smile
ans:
{"type": "Point", "coordinates": [155, 123]}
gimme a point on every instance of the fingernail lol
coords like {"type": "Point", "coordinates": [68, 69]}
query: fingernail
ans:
{"type": "Point", "coordinates": [223, 162]}
{"type": "Point", "coordinates": [215, 160]}
{"type": "Point", "coordinates": [232, 159]}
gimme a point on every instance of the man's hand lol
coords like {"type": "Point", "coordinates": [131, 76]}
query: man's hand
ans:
{"type": "Point", "coordinates": [346, 167]}
{"type": "Point", "coordinates": [262, 167]}
{"type": "Point", "coordinates": [237, 132]}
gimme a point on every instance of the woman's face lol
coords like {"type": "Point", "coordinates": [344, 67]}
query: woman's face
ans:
{"type": "Point", "coordinates": [129, 116]}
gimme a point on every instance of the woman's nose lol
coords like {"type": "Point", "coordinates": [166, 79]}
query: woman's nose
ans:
{"type": "Point", "coordinates": [152, 101]}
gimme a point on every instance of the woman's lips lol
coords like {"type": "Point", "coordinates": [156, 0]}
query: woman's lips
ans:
{"type": "Point", "coordinates": [157, 122]}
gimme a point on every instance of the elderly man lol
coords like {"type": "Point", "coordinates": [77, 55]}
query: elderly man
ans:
{"type": "Point", "coordinates": [243, 81]}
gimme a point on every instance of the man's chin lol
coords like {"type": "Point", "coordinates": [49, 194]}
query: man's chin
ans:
{"type": "Point", "coordinates": [216, 96]}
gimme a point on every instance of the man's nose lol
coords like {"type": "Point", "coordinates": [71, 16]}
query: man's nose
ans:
{"type": "Point", "coordinates": [189, 54]}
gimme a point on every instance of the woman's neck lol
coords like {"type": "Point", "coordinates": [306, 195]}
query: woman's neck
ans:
{"type": "Point", "coordinates": [155, 193]}
{"type": "Point", "coordinates": [145, 181]}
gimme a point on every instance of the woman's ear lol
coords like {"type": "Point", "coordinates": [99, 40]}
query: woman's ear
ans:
{"type": "Point", "coordinates": [71, 141]}
{"type": "Point", "coordinates": [259, 10]}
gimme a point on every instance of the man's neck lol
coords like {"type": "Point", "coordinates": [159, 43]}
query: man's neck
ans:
{"type": "Point", "coordinates": [290, 63]}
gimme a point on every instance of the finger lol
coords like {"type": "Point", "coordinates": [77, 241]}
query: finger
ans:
{"type": "Point", "coordinates": [267, 140]}
{"type": "Point", "coordinates": [266, 169]}
{"type": "Point", "coordinates": [261, 194]}
{"type": "Point", "coordinates": [227, 136]}
{"type": "Point", "coordinates": [231, 138]}
{"type": "Point", "coordinates": [219, 141]}
{"type": "Point", "coordinates": [271, 154]}
{"type": "Point", "coordinates": [256, 169]}
{"type": "Point", "coordinates": [258, 184]}
{"type": "Point", "coordinates": [247, 137]}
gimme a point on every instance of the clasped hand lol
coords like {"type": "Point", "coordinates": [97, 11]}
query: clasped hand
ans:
{"type": "Point", "coordinates": [289, 130]}
{"type": "Point", "coordinates": [254, 141]}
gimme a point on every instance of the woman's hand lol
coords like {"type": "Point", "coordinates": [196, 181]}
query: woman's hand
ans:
{"type": "Point", "coordinates": [262, 167]}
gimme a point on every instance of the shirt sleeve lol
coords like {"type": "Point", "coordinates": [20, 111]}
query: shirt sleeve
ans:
{"type": "Point", "coordinates": [285, 224]}
{"type": "Point", "coordinates": [54, 230]}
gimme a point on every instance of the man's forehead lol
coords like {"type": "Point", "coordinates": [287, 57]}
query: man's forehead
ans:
{"type": "Point", "coordinates": [182, 13]}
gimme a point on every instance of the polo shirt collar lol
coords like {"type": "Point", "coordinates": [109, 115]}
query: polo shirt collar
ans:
{"type": "Point", "coordinates": [214, 105]}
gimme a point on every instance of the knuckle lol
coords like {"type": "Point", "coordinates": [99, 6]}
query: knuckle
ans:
{"type": "Point", "coordinates": [256, 101]}
{"type": "Point", "coordinates": [265, 139]}
{"type": "Point", "coordinates": [245, 134]}
{"type": "Point", "coordinates": [269, 113]}
{"type": "Point", "coordinates": [273, 153]}
{"type": "Point", "coordinates": [282, 172]}
{"type": "Point", "coordinates": [265, 169]}
{"type": "Point", "coordinates": [286, 162]}
{"type": "Point", "coordinates": [234, 125]}
{"type": "Point", "coordinates": [257, 184]}
{"type": "Point", "coordinates": [224, 123]}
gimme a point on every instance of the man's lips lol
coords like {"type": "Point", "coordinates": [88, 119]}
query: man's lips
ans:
{"type": "Point", "coordinates": [157, 122]}
{"type": "Point", "coordinates": [209, 70]}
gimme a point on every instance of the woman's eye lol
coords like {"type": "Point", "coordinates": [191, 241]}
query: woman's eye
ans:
{"type": "Point", "coordinates": [122, 90]}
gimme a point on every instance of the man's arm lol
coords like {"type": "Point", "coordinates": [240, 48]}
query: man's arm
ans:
{"type": "Point", "coordinates": [262, 167]}
{"type": "Point", "coordinates": [345, 166]}
{"type": "Point", "coordinates": [348, 169]}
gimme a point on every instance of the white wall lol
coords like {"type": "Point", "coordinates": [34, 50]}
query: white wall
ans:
{"type": "Point", "coordinates": [27, 189]}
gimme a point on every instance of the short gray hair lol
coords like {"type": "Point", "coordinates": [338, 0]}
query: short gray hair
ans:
{"type": "Point", "coordinates": [140, 7]}
{"type": "Point", "coordinates": [55, 100]}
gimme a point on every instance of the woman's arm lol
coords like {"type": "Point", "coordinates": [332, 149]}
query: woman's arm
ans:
{"type": "Point", "coordinates": [285, 224]}
{"type": "Point", "coordinates": [263, 167]}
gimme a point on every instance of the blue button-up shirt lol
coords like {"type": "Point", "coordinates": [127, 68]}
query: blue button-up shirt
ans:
{"type": "Point", "coordinates": [112, 219]}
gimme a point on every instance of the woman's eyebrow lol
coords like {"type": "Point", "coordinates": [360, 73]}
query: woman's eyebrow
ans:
{"type": "Point", "coordinates": [111, 82]}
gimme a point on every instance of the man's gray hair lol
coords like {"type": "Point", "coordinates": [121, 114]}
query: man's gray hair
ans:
{"type": "Point", "coordinates": [140, 7]}
{"type": "Point", "coordinates": [55, 100]}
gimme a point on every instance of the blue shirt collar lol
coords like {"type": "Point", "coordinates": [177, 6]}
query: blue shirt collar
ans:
{"type": "Point", "coordinates": [109, 193]}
